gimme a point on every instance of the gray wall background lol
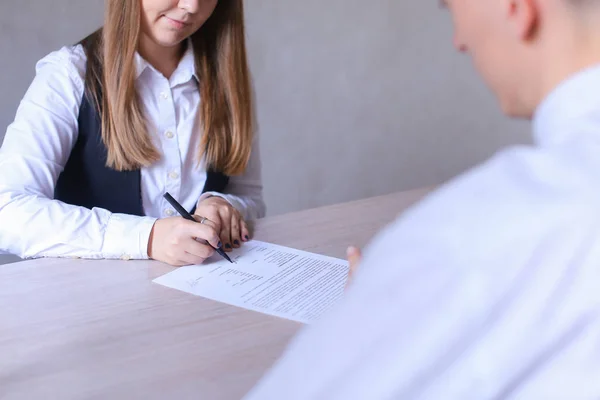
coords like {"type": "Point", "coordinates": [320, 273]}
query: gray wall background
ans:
{"type": "Point", "coordinates": [355, 98]}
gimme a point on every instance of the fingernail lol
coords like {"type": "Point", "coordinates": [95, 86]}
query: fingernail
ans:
{"type": "Point", "coordinates": [247, 238]}
{"type": "Point", "coordinates": [237, 243]}
{"type": "Point", "coordinates": [227, 246]}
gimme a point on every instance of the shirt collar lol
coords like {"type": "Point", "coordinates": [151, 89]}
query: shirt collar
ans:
{"type": "Point", "coordinates": [140, 65]}
{"type": "Point", "coordinates": [186, 69]}
{"type": "Point", "coordinates": [564, 107]}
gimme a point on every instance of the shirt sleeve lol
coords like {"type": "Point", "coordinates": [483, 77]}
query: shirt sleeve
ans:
{"type": "Point", "coordinates": [36, 148]}
{"type": "Point", "coordinates": [458, 299]}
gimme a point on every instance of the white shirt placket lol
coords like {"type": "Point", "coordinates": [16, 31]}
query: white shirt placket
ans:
{"type": "Point", "coordinates": [170, 144]}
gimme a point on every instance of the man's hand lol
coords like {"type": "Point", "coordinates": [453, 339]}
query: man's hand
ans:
{"type": "Point", "coordinates": [354, 256]}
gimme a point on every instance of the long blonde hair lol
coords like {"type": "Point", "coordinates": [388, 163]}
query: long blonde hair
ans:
{"type": "Point", "coordinates": [224, 84]}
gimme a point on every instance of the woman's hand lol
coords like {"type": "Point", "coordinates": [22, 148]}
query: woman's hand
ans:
{"type": "Point", "coordinates": [228, 221]}
{"type": "Point", "coordinates": [173, 241]}
{"type": "Point", "coordinates": [354, 256]}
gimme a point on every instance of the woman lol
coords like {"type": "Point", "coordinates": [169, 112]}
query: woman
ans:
{"type": "Point", "coordinates": [111, 124]}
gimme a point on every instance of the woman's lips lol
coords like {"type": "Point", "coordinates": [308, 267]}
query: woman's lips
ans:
{"type": "Point", "coordinates": [177, 24]}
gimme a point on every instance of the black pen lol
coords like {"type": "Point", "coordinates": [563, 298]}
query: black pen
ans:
{"type": "Point", "coordinates": [188, 216]}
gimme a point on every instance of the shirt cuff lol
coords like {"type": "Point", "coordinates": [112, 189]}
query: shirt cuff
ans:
{"type": "Point", "coordinates": [126, 237]}
{"type": "Point", "coordinates": [230, 199]}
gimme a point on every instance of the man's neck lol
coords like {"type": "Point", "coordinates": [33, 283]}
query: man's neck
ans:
{"type": "Point", "coordinates": [569, 51]}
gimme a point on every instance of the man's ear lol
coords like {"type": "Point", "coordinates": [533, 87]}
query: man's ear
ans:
{"type": "Point", "coordinates": [523, 16]}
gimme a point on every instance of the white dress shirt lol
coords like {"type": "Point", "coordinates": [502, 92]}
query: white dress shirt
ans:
{"type": "Point", "coordinates": [488, 289]}
{"type": "Point", "coordinates": [38, 144]}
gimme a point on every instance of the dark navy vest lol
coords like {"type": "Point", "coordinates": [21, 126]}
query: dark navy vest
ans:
{"type": "Point", "coordinates": [87, 181]}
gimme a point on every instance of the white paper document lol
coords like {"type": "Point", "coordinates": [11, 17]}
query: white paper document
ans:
{"type": "Point", "coordinates": [271, 279]}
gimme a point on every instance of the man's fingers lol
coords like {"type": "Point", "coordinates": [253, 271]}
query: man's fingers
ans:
{"type": "Point", "coordinates": [354, 257]}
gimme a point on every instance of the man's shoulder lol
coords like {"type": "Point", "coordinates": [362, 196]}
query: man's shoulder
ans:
{"type": "Point", "coordinates": [517, 197]}
{"type": "Point", "coordinates": [521, 182]}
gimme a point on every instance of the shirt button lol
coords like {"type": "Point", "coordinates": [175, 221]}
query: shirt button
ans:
{"type": "Point", "coordinates": [169, 212]}
{"type": "Point", "coordinates": [173, 175]}
{"type": "Point", "coordinates": [164, 95]}
{"type": "Point", "coordinates": [169, 135]}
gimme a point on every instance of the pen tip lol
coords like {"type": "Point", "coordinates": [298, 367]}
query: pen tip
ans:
{"type": "Point", "coordinates": [225, 256]}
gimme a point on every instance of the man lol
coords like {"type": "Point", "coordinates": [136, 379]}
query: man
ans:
{"type": "Point", "coordinates": [490, 288]}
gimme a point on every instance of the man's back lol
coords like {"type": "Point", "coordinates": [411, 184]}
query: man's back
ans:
{"type": "Point", "coordinates": [487, 289]}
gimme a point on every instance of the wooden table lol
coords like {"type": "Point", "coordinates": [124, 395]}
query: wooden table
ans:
{"type": "Point", "coordinates": [76, 329]}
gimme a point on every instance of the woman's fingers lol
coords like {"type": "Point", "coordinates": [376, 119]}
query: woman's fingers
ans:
{"type": "Point", "coordinates": [228, 222]}
{"type": "Point", "coordinates": [195, 252]}
{"type": "Point", "coordinates": [206, 231]}
{"type": "Point", "coordinates": [207, 221]}
{"type": "Point", "coordinates": [244, 231]}
{"type": "Point", "coordinates": [236, 237]}
{"type": "Point", "coordinates": [189, 259]}
{"type": "Point", "coordinates": [173, 240]}
{"type": "Point", "coordinates": [212, 213]}
{"type": "Point", "coordinates": [225, 215]}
